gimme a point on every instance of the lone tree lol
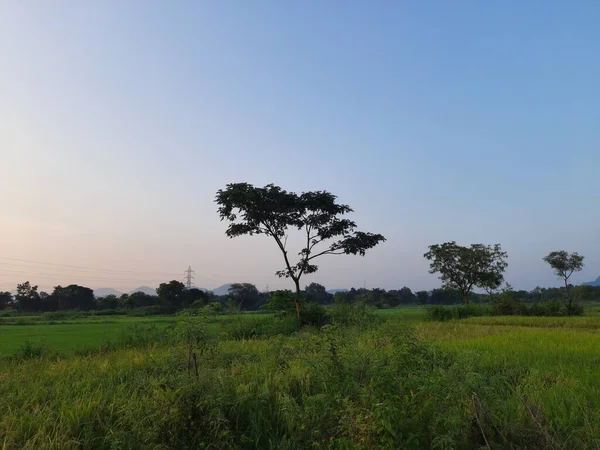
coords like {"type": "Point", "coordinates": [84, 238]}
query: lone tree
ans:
{"type": "Point", "coordinates": [462, 268]}
{"type": "Point", "coordinates": [564, 265]}
{"type": "Point", "coordinates": [272, 211]}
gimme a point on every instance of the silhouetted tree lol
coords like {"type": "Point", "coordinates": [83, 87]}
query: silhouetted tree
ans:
{"type": "Point", "coordinates": [28, 298]}
{"type": "Point", "coordinates": [317, 293]}
{"type": "Point", "coordinates": [73, 297]}
{"type": "Point", "coordinates": [462, 268]}
{"type": "Point", "coordinates": [564, 264]}
{"type": "Point", "coordinates": [272, 211]}
{"type": "Point", "coordinates": [245, 295]}
{"type": "Point", "coordinates": [6, 300]}
{"type": "Point", "coordinates": [171, 294]}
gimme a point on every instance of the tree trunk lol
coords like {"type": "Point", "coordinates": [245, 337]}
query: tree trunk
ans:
{"type": "Point", "coordinates": [297, 282]}
{"type": "Point", "coordinates": [569, 297]}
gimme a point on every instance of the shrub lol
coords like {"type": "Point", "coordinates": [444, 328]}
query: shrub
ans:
{"type": "Point", "coordinates": [441, 313]}
{"type": "Point", "coordinates": [258, 328]}
{"type": "Point", "coordinates": [313, 314]}
{"type": "Point", "coordinates": [31, 350]}
{"type": "Point", "coordinates": [354, 314]}
{"type": "Point", "coordinates": [155, 310]}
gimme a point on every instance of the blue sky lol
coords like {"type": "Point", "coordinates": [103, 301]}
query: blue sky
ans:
{"type": "Point", "coordinates": [468, 121]}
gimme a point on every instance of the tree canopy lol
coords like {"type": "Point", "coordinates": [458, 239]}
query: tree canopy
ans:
{"type": "Point", "coordinates": [272, 211]}
{"type": "Point", "coordinates": [564, 264]}
{"type": "Point", "coordinates": [462, 268]}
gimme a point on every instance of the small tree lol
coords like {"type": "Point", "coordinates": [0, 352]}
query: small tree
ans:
{"type": "Point", "coordinates": [272, 211]}
{"type": "Point", "coordinates": [564, 265]}
{"type": "Point", "coordinates": [171, 294]}
{"type": "Point", "coordinates": [6, 299]}
{"type": "Point", "coordinates": [462, 268]}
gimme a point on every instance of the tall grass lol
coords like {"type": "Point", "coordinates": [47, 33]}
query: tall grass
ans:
{"type": "Point", "coordinates": [261, 382]}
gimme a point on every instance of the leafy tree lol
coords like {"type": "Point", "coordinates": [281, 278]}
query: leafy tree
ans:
{"type": "Point", "coordinates": [6, 299]}
{"type": "Point", "coordinates": [171, 294]}
{"type": "Point", "coordinates": [280, 300]}
{"type": "Point", "coordinates": [195, 296]}
{"type": "Point", "coordinates": [422, 296]}
{"type": "Point", "coordinates": [110, 301]}
{"type": "Point", "coordinates": [564, 264]}
{"type": "Point", "coordinates": [245, 295]}
{"type": "Point", "coordinates": [28, 298]}
{"type": "Point", "coordinates": [462, 268]}
{"type": "Point", "coordinates": [48, 302]}
{"type": "Point", "coordinates": [74, 297]}
{"type": "Point", "coordinates": [317, 293]}
{"type": "Point", "coordinates": [271, 210]}
{"type": "Point", "coordinates": [140, 299]}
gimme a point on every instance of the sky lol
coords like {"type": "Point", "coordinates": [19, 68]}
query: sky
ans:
{"type": "Point", "coordinates": [435, 121]}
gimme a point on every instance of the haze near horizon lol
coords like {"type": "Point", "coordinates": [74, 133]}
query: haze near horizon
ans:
{"type": "Point", "coordinates": [466, 121]}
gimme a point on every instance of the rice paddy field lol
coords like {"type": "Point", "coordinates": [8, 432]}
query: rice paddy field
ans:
{"type": "Point", "coordinates": [388, 379]}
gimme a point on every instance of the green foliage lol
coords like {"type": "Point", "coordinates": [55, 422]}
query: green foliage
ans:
{"type": "Point", "coordinates": [462, 268]}
{"type": "Point", "coordinates": [272, 211]}
{"type": "Point", "coordinates": [443, 313]}
{"type": "Point", "coordinates": [154, 310]}
{"type": "Point", "coordinates": [172, 294]}
{"type": "Point", "coordinates": [355, 314]}
{"type": "Point", "coordinates": [280, 301]}
{"type": "Point", "coordinates": [260, 328]}
{"type": "Point", "coordinates": [564, 264]}
{"type": "Point", "coordinates": [313, 314]}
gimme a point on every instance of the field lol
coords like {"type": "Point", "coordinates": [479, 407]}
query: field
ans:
{"type": "Point", "coordinates": [385, 380]}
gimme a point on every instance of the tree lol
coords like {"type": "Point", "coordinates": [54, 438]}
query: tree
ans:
{"type": "Point", "coordinates": [462, 268]}
{"type": "Point", "coordinates": [281, 300]}
{"type": "Point", "coordinates": [171, 294]}
{"type": "Point", "coordinates": [73, 297]}
{"type": "Point", "coordinates": [271, 210]}
{"type": "Point", "coordinates": [245, 295]}
{"type": "Point", "coordinates": [317, 293]}
{"type": "Point", "coordinates": [28, 298]}
{"type": "Point", "coordinates": [110, 301]}
{"type": "Point", "coordinates": [194, 296]}
{"type": "Point", "coordinates": [6, 299]}
{"type": "Point", "coordinates": [564, 265]}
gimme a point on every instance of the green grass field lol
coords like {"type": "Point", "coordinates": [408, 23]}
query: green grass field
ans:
{"type": "Point", "coordinates": [496, 382]}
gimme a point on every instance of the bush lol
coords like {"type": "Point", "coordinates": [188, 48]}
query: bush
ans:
{"type": "Point", "coordinates": [253, 328]}
{"type": "Point", "coordinates": [62, 315]}
{"type": "Point", "coordinates": [440, 313]}
{"type": "Point", "coordinates": [313, 314]}
{"type": "Point", "coordinates": [155, 310]}
{"type": "Point", "coordinates": [354, 314]}
{"type": "Point", "coordinates": [31, 350]}
{"type": "Point", "coordinates": [9, 312]}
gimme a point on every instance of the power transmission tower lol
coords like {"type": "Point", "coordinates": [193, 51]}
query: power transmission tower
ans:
{"type": "Point", "coordinates": [189, 277]}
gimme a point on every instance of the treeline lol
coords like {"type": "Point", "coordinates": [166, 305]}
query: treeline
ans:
{"type": "Point", "coordinates": [174, 296]}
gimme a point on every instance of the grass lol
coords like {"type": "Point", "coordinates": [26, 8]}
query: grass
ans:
{"type": "Point", "coordinates": [515, 382]}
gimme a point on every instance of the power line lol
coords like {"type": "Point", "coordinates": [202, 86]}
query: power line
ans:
{"type": "Point", "coordinates": [57, 276]}
{"type": "Point", "coordinates": [85, 267]}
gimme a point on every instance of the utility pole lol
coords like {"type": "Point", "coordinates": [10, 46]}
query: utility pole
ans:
{"type": "Point", "coordinates": [189, 277]}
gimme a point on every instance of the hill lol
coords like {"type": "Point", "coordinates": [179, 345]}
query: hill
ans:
{"type": "Point", "coordinates": [222, 290]}
{"type": "Point", "coordinates": [144, 289]}
{"type": "Point", "coordinates": [592, 283]}
{"type": "Point", "coordinates": [103, 292]}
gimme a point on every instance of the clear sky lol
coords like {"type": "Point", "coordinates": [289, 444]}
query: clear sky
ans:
{"type": "Point", "coordinates": [466, 120]}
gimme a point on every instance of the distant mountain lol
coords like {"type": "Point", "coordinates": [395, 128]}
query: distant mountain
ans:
{"type": "Point", "coordinates": [222, 290]}
{"type": "Point", "coordinates": [335, 291]}
{"type": "Point", "coordinates": [103, 292]}
{"type": "Point", "coordinates": [144, 289]}
{"type": "Point", "coordinates": [592, 283]}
